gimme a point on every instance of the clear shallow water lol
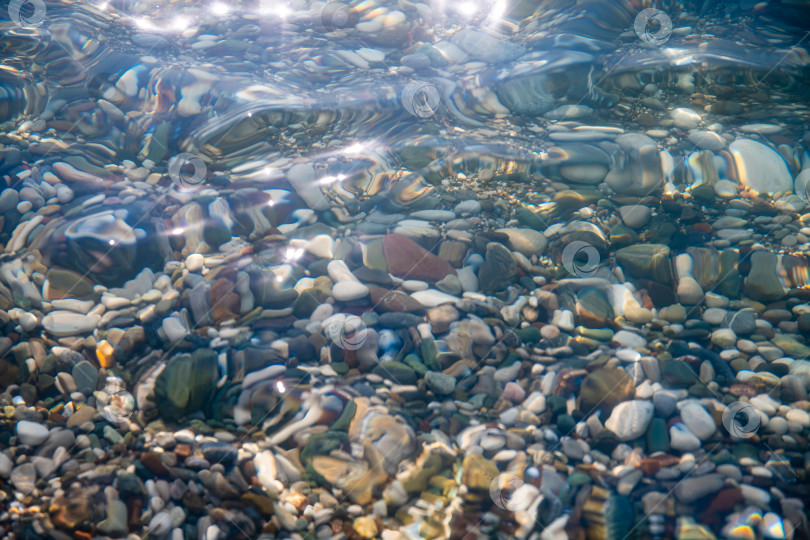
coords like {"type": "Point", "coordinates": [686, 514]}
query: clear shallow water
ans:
{"type": "Point", "coordinates": [407, 270]}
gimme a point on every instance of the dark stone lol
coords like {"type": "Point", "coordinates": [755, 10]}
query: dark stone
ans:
{"type": "Point", "coordinates": [498, 270]}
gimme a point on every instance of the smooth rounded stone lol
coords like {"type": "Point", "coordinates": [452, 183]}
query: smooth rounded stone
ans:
{"type": "Point", "coordinates": [513, 392]}
{"type": "Point", "coordinates": [707, 140]}
{"type": "Point", "coordinates": [765, 403]}
{"type": "Point", "coordinates": [432, 298]}
{"type": "Point", "coordinates": [682, 439]}
{"type": "Point", "coordinates": [64, 194]}
{"type": "Point", "coordinates": [725, 189]}
{"type": "Point", "coordinates": [724, 338]}
{"type": "Point", "coordinates": [174, 329]}
{"type": "Point", "coordinates": [85, 377]}
{"type": "Point", "coordinates": [685, 118]}
{"type": "Point", "coordinates": [777, 425]}
{"type": "Point", "coordinates": [441, 317]}
{"type": "Point", "coordinates": [441, 383]}
{"type": "Point", "coordinates": [486, 47]}
{"type": "Point", "coordinates": [629, 420]}
{"type": "Point", "coordinates": [68, 323]}
{"type": "Point", "coordinates": [675, 313]}
{"type": "Point", "coordinates": [433, 215]}
{"type": "Point", "coordinates": [698, 420]}
{"type": "Point", "coordinates": [468, 208]}
{"type": "Point", "coordinates": [9, 198]}
{"type": "Point", "coordinates": [6, 465]}
{"type": "Point", "coordinates": [24, 477]}
{"type": "Point", "coordinates": [338, 271]}
{"type": "Point", "coordinates": [535, 403]}
{"type": "Point", "coordinates": [195, 262]}
{"type": "Point", "coordinates": [714, 316]}
{"type": "Point", "coordinates": [762, 283]}
{"type": "Point", "coordinates": [665, 402]}
{"type": "Point", "coordinates": [693, 488]}
{"type": "Point", "coordinates": [31, 433]}
{"type": "Point", "coordinates": [82, 415]}
{"type": "Point", "coordinates": [321, 246]}
{"type": "Point", "coordinates": [635, 216]}
{"type": "Point", "coordinates": [629, 339]}
{"type": "Point", "coordinates": [346, 291]}
{"type": "Point", "coordinates": [743, 322]}
{"type": "Point", "coordinates": [526, 241]}
{"type": "Point", "coordinates": [798, 416]}
{"type": "Point", "coordinates": [450, 284]}
{"type": "Point", "coordinates": [759, 167]}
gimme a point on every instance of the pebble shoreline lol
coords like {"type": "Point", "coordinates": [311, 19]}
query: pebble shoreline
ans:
{"type": "Point", "coordinates": [603, 338]}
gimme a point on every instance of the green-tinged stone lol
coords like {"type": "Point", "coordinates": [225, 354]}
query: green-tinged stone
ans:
{"type": "Point", "coordinates": [342, 423]}
{"type": "Point", "coordinates": [729, 282]}
{"type": "Point", "coordinates": [478, 472]}
{"type": "Point", "coordinates": [415, 364]}
{"type": "Point", "coordinates": [68, 284]}
{"type": "Point", "coordinates": [605, 388]}
{"type": "Point", "coordinates": [700, 390]}
{"type": "Point", "coordinates": [341, 368]}
{"type": "Point", "coordinates": [593, 308]}
{"type": "Point", "coordinates": [649, 261]}
{"type": "Point", "coordinates": [430, 354]}
{"type": "Point", "coordinates": [578, 479]}
{"type": "Point", "coordinates": [306, 303]}
{"type": "Point", "coordinates": [706, 266]}
{"type": "Point", "coordinates": [499, 269]}
{"type": "Point", "coordinates": [374, 257]}
{"type": "Point", "coordinates": [186, 384]}
{"type": "Point", "coordinates": [657, 436]}
{"type": "Point", "coordinates": [745, 450]}
{"type": "Point", "coordinates": [320, 444]}
{"type": "Point", "coordinates": [158, 147]}
{"type": "Point", "coordinates": [791, 347]}
{"type": "Point", "coordinates": [530, 219]}
{"type": "Point", "coordinates": [622, 235]}
{"type": "Point", "coordinates": [529, 334]}
{"type": "Point", "coordinates": [599, 334]}
{"type": "Point", "coordinates": [566, 424]}
{"type": "Point", "coordinates": [678, 373]}
{"type": "Point", "coordinates": [762, 283]}
{"type": "Point", "coordinates": [215, 232]}
{"type": "Point", "coordinates": [569, 199]}
{"type": "Point", "coordinates": [395, 371]}
{"type": "Point", "coordinates": [555, 404]}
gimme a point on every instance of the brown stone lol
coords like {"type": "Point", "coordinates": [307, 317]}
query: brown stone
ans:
{"type": "Point", "coordinates": [384, 300]}
{"type": "Point", "coordinates": [152, 461]}
{"type": "Point", "coordinates": [68, 513]}
{"type": "Point", "coordinates": [262, 503]}
{"type": "Point", "coordinates": [224, 302]}
{"type": "Point", "coordinates": [408, 260]}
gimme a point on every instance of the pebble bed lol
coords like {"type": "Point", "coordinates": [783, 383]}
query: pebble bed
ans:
{"type": "Point", "coordinates": [609, 339]}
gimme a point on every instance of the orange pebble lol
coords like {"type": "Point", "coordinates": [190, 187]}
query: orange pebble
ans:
{"type": "Point", "coordinates": [104, 353]}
